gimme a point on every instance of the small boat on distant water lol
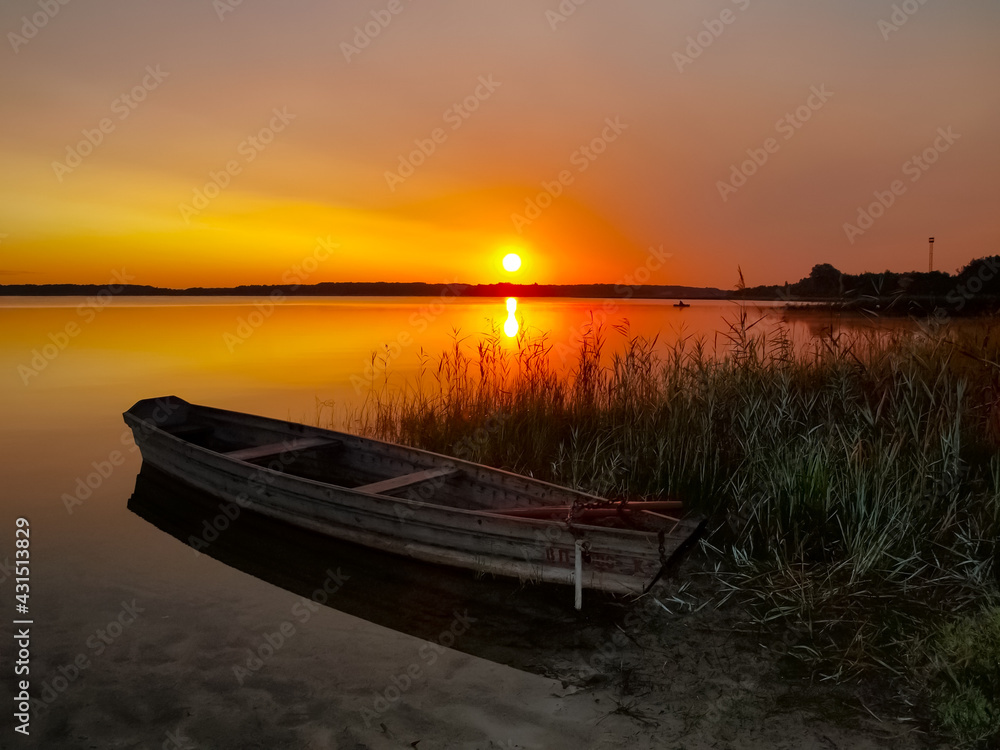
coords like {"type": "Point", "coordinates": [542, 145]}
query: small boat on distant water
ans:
{"type": "Point", "coordinates": [681, 303]}
{"type": "Point", "coordinates": [413, 502]}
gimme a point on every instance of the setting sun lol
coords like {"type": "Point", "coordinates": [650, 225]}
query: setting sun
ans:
{"type": "Point", "coordinates": [511, 262]}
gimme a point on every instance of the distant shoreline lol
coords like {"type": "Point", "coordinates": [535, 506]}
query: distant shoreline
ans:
{"type": "Point", "coordinates": [375, 289]}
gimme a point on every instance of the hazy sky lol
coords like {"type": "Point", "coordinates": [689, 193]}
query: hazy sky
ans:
{"type": "Point", "coordinates": [232, 136]}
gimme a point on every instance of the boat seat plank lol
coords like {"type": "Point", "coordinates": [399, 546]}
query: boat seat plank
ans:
{"type": "Point", "coordinates": [274, 449]}
{"type": "Point", "coordinates": [386, 485]}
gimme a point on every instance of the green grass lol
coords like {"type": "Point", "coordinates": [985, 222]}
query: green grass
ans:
{"type": "Point", "coordinates": [964, 668]}
{"type": "Point", "coordinates": [853, 484]}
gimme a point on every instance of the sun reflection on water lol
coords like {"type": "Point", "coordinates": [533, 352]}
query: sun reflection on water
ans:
{"type": "Point", "coordinates": [510, 327]}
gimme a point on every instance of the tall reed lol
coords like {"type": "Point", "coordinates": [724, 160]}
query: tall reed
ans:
{"type": "Point", "coordinates": [853, 483]}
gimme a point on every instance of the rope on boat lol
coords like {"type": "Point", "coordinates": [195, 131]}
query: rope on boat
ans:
{"type": "Point", "coordinates": [666, 563]}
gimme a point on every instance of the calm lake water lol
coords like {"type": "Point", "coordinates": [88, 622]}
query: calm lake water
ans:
{"type": "Point", "coordinates": [134, 635]}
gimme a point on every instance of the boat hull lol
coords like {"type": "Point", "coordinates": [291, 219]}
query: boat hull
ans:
{"type": "Point", "coordinates": [479, 538]}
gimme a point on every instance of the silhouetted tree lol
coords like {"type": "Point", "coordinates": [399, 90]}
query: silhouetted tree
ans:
{"type": "Point", "coordinates": [823, 281]}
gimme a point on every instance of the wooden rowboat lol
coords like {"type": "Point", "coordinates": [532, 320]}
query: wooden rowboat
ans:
{"type": "Point", "coordinates": [408, 501]}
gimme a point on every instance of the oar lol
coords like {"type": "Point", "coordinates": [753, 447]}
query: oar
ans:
{"type": "Point", "coordinates": [612, 510]}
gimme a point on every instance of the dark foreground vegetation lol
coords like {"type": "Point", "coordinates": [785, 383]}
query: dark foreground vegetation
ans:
{"type": "Point", "coordinates": [853, 485]}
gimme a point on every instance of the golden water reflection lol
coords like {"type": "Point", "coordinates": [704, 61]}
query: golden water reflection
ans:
{"type": "Point", "coordinates": [277, 359]}
{"type": "Point", "coordinates": [511, 326]}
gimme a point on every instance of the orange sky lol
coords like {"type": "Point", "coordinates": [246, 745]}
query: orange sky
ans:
{"type": "Point", "coordinates": [421, 152]}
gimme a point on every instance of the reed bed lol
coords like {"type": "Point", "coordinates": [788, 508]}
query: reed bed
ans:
{"type": "Point", "coordinates": [853, 484]}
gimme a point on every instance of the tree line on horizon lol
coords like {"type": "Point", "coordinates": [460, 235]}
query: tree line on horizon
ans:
{"type": "Point", "coordinates": [975, 285]}
{"type": "Point", "coordinates": [382, 288]}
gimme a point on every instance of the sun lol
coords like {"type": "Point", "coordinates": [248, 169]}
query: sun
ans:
{"type": "Point", "coordinates": [511, 262]}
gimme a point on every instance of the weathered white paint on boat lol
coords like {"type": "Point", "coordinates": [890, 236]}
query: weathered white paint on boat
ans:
{"type": "Point", "coordinates": [397, 499]}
